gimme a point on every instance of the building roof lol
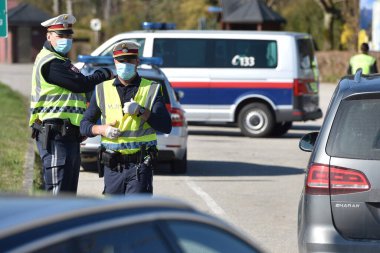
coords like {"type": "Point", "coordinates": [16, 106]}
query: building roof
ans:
{"type": "Point", "coordinates": [26, 14]}
{"type": "Point", "coordinates": [248, 12]}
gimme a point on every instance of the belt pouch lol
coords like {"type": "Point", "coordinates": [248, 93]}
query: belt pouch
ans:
{"type": "Point", "coordinates": [110, 159]}
{"type": "Point", "coordinates": [45, 136]}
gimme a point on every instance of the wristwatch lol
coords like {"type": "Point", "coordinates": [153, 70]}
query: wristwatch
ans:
{"type": "Point", "coordinates": [141, 111]}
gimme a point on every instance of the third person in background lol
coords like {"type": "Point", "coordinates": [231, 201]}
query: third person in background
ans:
{"type": "Point", "coordinates": [364, 61]}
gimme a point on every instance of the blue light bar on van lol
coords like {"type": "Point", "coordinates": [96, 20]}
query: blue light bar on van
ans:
{"type": "Point", "coordinates": [214, 9]}
{"type": "Point", "coordinates": [158, 26]}
{"type": "Point", "coordinates": [156, 61]}
{"type": "Point", "coordinates": [95, 59]}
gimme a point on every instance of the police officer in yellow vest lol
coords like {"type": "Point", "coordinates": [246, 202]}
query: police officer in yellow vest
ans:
{"type": "Point", "coordinates": [131, 109]}
{"type": "Point", "coordinates": [364, 61]}
{"type": "Point", "coordinates": [57, 106]}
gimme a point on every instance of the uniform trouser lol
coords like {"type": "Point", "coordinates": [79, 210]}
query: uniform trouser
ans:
{"type": "Point", "coordinates": [128, 178]}
{"type": "Point", "coordinates": [61, 165]}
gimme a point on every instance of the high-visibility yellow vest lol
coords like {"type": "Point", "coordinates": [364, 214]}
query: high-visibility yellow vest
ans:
{"type": "Point", "coordinates": [135, 132]}
{"type": "Point", "coordinates": [362, 61]}
{"type": "Point", "coordinates": [50, 101]}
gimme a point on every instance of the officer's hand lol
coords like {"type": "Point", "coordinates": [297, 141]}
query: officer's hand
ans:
{"type": "Point", "coordinates": [131, 107]}
{"type": "Point", "coordinates": [107, 73]}
{"type": "Point", "coordinates": [112, 132]}
{"type": "Point", "coordinates": [109, 130]}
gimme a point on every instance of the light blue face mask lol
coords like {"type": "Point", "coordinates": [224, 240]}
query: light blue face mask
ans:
{"type": "Point", "coordinates": [63, 46]}
{"type": "Point", "coordinates": [125, 70]}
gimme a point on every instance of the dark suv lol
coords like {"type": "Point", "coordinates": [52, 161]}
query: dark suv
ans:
{"type": "Point", "coordinates": [339, 209]}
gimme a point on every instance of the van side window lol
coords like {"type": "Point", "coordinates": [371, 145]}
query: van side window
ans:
{"type": "Point", "coordinates": [216, 53]}
{"type": "Point", "coordinates": [244, 54]}
{"type": "Point", "coordinates": [181, 53]}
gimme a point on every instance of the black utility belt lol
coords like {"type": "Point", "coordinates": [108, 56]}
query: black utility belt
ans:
{"type": "Point", "coordinates": [63, 127]}
{"type": "Point", "coordinates": [52, 129]}
{"type": "Point", "coordinates": [112, 159]}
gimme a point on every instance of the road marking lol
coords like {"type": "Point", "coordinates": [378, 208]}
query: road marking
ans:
{"type": "Point", "coordinates": [210, 202]}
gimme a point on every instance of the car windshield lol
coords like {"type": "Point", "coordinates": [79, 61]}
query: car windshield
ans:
{"type": "Point", "coordinates": [356, 129]}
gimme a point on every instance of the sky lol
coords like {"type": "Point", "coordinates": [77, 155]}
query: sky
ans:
{"type": "Point", "coordinates": [366, 3]}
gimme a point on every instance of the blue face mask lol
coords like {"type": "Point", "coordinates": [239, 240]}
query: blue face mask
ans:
{"type": "Point", "coordinates": [125, 70]}
{"type": "Point", "coordinates": [63, 46]}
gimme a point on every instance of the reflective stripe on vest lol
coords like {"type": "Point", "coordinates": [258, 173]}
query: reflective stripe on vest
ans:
{"type": "Point", "coordinates": [135, 132]}
{"type": "Point", "coordinates": [362, 61]}
{"type": "Point", "coordinates": [52, 101]}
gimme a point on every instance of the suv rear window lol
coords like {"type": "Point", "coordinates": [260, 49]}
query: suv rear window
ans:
{"type": "Point", "coordinates": [355, 132]}
{"type": "Point", "coordinates": [216, 53]}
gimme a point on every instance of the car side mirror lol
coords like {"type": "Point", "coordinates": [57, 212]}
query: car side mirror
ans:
{"type": "Point", "coordinates": [179, 94]}
{"type": "Point", "coordinates": [307, 142]}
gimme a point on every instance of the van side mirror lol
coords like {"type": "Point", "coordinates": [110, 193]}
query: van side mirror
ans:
{"type": "Point", "coordinates": [307, 142]}
{"type": "Point", "coordinates": [179, 94]}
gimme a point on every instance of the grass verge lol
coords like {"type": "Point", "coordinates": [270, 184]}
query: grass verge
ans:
{"type": "Point", "coordinates": [14, 137]}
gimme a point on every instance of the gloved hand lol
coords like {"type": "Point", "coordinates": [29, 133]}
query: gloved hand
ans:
{"type": "Point", "coordinates": [131, 107]}
{"type": "Point", "coordinates": [112, 132]}
{"type": "Point", "coordinates": [107, 73]}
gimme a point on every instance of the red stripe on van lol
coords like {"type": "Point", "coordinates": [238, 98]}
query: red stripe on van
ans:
{"type": "Point", "coordinates": [271, 85]}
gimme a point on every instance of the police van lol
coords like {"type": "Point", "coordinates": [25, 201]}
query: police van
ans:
{"type": "Point", "coordinates": [261, 81]}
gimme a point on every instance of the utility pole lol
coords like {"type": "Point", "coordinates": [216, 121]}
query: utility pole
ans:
{"type": "Point", "coordinates": [69, 7]}
{"type": "Point", "coordinates": [56, 7]}
{"type": "Point", "coordinates": [107, 10]}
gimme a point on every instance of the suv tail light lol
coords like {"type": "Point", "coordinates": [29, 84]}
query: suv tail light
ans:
{"type": "Point", "coordinates": [176, 116]}
{"type": "Point", "coordinates": [301, 87]}
{"type": "Point", "coordinates": [322, 180]}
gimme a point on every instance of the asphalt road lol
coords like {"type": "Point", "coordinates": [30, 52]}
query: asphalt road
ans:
{"type": "Point", "coordinates": [252, 183]}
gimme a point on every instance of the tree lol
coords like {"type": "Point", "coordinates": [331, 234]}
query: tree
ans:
{"type": "Point", "coordinates": [304, 16]}
{"type": "Point", "coordinates": [350, 12]}
{"type": "Point", "coordinates": [331, 13]}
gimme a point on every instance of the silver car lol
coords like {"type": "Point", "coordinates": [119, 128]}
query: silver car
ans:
{"type": "Point", "coordinates": [173, 146]}
{"type": "Point", "coordinates": [339, 209]}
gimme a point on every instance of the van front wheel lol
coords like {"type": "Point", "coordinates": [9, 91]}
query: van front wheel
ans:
{"type": "Point", "coordinates": [256, 120]}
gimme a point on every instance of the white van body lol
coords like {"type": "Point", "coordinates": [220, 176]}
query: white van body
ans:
{"type": "Point", "coordinates": [263, 81]}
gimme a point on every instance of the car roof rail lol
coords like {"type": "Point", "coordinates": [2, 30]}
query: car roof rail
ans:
{"type": "Point", "coordinates": [358, 75]}
{"type": "Point", "coordinates": [107, 59]}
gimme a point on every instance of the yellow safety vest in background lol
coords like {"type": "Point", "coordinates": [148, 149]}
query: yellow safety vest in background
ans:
{"type": "Point", "coordinates": [362, 61]}
{"type": "Point", "coordinates": [135, 132]}
{"type": "Point", "coordinates": [50, 101]}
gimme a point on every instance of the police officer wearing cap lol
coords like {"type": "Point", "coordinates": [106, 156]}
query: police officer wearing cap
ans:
{"type": "Point", "coordinates": [57, 106]}
{"type": "Point", "coordinates": [131, 109]}
{"type": "Point", "coordinates": [364, 61]}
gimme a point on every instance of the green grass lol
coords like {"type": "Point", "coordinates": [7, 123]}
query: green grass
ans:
{"type": "Point", "coordinates": [38, 177]}
{"type": "Point", "coordinates": [14, 138]}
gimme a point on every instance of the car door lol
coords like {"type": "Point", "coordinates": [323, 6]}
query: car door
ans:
{"type": "Point", "coordinates": [354, 147]}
